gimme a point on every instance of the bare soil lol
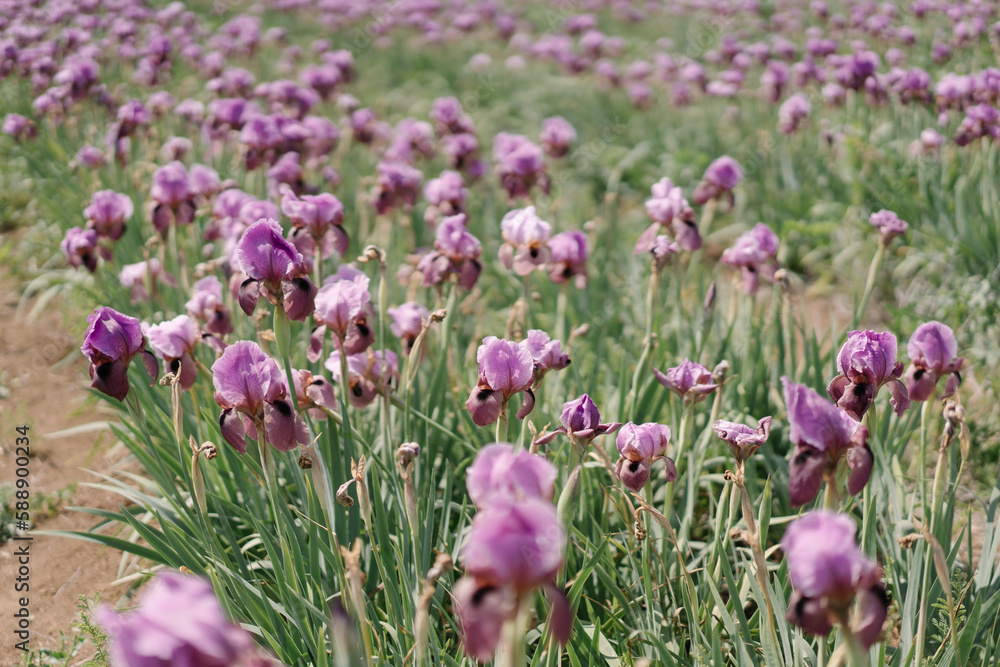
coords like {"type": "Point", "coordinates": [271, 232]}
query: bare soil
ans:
{"type": "Point", "coordinates": [46, 377]}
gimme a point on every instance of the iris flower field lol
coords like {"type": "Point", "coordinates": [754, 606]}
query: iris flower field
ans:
{"type": "Point", "coordinates": [569, 332]}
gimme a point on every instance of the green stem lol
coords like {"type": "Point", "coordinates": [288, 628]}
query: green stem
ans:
{"type": "Point", "coordinates": [282, 339]}
{"type": "Point", "coordinates": [348, 447]}
{"type": "Point", "coordinates": [512, 652]}
{"type": "Point", "coordinates": [925, 413]}
{"type": "Point", "coordinates": [869, 284]}
{"type": "Point", "coordinates": [527, 303]}
{"type": "Point", "coordinates": [856, 654]}
{"type": "Point", "coordinates": [682, 438]}
{"type": "Point", "coordinates": [561, 299]}
{"type": "Point", "coordinates": [501, 431]}
{"type": "Point", "coordinates": [567, 496]}
{"type": "Point", "coordinates": [647, 350]}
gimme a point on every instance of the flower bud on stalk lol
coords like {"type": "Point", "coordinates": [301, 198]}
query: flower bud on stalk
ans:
{"type": "Point", "coordinates": [356, 592]}
{"type": "Point", "coordinates": [442, 564]}
{"type": "Point", "coordinates": [406, 456]}
{"type": "Point", "coordinates": [197, 480]}
{"type": "Point", "coordinates": [954, 426]}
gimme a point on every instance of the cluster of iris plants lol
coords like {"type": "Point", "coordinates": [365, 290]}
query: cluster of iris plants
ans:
{"type": "Point", "coordinates": [465, 376]}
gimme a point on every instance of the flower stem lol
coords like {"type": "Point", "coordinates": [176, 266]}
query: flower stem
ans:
{"type": "Point", "coordinates": [682, 438]}
{"type": "Point", "coordinates": [647, 350]}
{"type": "Point", "coordinates": [344, 388]}
{"type": "Point", "coordinates": [831, 499]}
{"type": "Point", "coordinates": [527, 302]}
{"type": "Point", "coordinates": [869, 284]}
{"type": "Point", "coordinates": [566, 503]}
{"type": "Point", "coordinates": [501, 432]}
{"type": "Point", "coordinates": [925, 413]}
{"type": "Point", "coordinates": [282, 339]}
{"type": "Point", "coordinates": [856, 654]}
{"type": "Point", "coordinates": [561, 299]}
{"type": "Point", "coordinates": [512, 652]}
{"type": "Point", "coordinates": [760, 563]}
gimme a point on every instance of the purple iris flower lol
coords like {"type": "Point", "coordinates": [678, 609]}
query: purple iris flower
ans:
{"type": "Point", "coordinates": [206, 305]}
{"type": "Point", "coordinates": [178, 622]}
{"type": "Point", "coordinates": [137, 275]}
{"type": "Point", "coordinates": [719, 180]}
{"type": "Point", "coordinates": [446, 195]}
{"type": "Point", "coordinates": [320, 217]}
{"type": "Point", "coordinates": [462, 151]}
{"type": "Point", "coordinates": [370, 374]}
{"type": "Point", "coordinates": [175, 148]}
{"type": "Point", "coordinates": [929, 143]}
{"type": "Point", "coordinates": [407, 322]}
{"type": "Point", "coordinates": [174, 342]}
{"type": "Point", "coordinates": [512, 549]}
{"type": "Point", "coordinates": [546, 354]}
{"type": "Point", "coordinates": [568, 258]}
{"type": "Point", "coordinates": [822, 432]}
{"type": "Point", "coordinates": [253, 392]}
{"type": "Point", "coordinates": [691, 381]}
{"type": "Point", "coordinates": [313, 392]}
{"type": "Point", "coordinates": [499, 471]}
{"type": "Point", "coordinates": [933, 353]}
{"type": "Point", "coordinates": [505, 368]}
{"type": "Point", "coordinates": [81, 248]}
{"type": "Point", "coordinates": [364, 125]}
{"type": "Point", "coordinates": [889, 226]}
{"type": "Point", "coordinates": [203, 182]}
{"type": "Point", "coordinates": [19, 127]}
{"type": "Point", "coordinates": [343, 306]}
{"type": "Point", "coordinates": [670, 212]}
{"type": "Point", "coordinates": [526, 239]}
{"type": "Point", "coordinates": [641, 445]}
{"type": "Point", "coordinates": [449, 118]}
{"type": "Point", "coordinates": [754, 252]}
{"type": "Point", "coordinates": [398, 186]}
{"type": "Point", "coordinates": [866, 362]}
{"type": "Point", "coordinates": [89, 157]}
{"type": "Point", "coordinates": [581, 421]}
{"type": "Point", "coordinates": [557, 136]}
{"type": "Point", "coordinates": [828, 573]}
{"type": "Point", "coordinates": [174, 200]}
{"type": "Point", "coordinates": [411, 138]}
{"type": "Point", "coordinates": [456, 252]}
{"type": "Point", "coordinates": [520, 164]}
{"type": "Point", "coordinates": [743, 440]}
{"type": "Point", "coordinates": [792, 112]}
{"type": "Point", "coordinates": [274, 269]}
{"type": "Point", "coordinates": [131, 116]}
{"type": "Point", "coordinates": [108, 212]}
{"type": "Point", "coordinates": [111, 342]}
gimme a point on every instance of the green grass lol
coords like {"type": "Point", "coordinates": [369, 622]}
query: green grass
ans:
{"type": "Point", "coordinates": [694, 602]}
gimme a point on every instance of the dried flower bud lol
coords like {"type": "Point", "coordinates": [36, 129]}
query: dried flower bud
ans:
{"type": "Point", "coordinates": [343, 495]}
{"type": "Point", "coordinates": [638, 530]}
{"type": "Point", "coordinates": [372, 253]}
{"type": "Point", "coordinates": [405, 456]}
{"type": "Point", "coordinates": [443, 563]}
{"type": "Point", "coordinates": [720, 371]}
{"type": "Point", "coordinates": [358, 470]}
{"type": "Point", "coordinates": [209, 450]}
{"type": "Point", "coordinates": [305, 461]}
{"type": "Point", "coordinates": [167, 380]}
{"type": "Point", "coordinates": [710, 297]}
{"type": "Point", "coordinates": [438, 315]}
{"type": "Point", "coordinates": [580, 332]}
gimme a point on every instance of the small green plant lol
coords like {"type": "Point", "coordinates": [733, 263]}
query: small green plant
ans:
{"type": "Point", "coordinates": [86, 636]}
